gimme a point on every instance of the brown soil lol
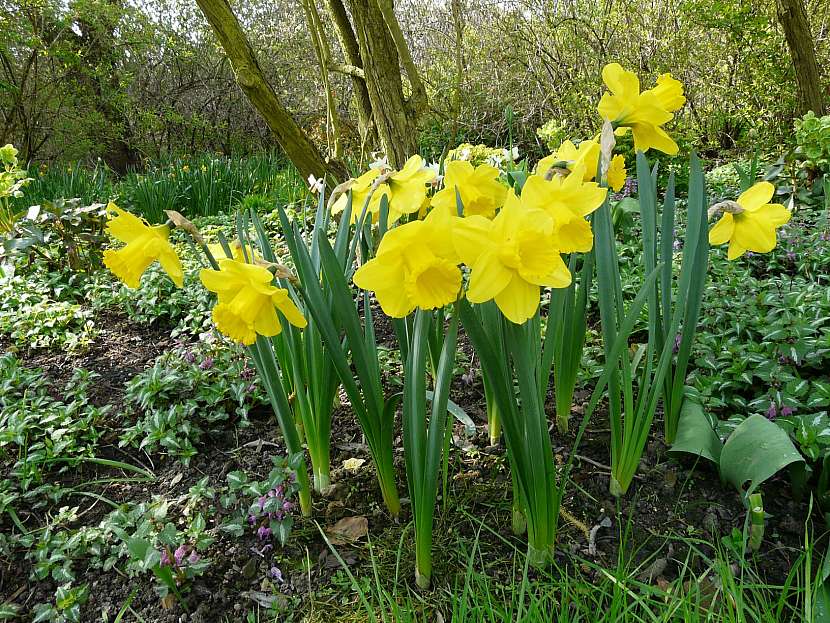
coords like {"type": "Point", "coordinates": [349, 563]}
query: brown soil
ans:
{"type": "Point", "coordinates": [667, 498]}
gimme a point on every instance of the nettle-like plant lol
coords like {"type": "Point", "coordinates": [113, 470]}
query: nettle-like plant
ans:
{"type": "Point", "coordinates": [12, 181]}
{"type": "Point", "coordinates": [478, 247]}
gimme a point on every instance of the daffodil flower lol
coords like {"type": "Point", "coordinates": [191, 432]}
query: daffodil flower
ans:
{"type": "Point", "coordinates": [617, 174]}
{"type": "Point", "coordinates": [405, 190]}
{"type": "Point", "coordinates": [750, 224]}
{"type": "Point", "coordinates": [644, 113]}
{"type": "Point", "coordinates": [567, 200]}
{"type": "Point", "coordinates": [361, 189]}
{"type": "Point", "coordinates": [586, 154]}
{"type": "Point", "coordinates": [479, 187]}
{"type": "Point", "coordinates": [415, 266]}
{"type": "Point", "coordinates": [511, 257]}
{"type": "Point", "coordinates": [145, 244]}
{"type": "Point", "coordinates": [247, 302]}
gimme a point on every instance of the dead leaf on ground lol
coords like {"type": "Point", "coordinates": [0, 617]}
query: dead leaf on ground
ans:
{"type": "Point", "coordinates": [348, 530]}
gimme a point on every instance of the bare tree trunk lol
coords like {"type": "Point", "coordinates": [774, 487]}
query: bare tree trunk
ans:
{"type": "Point", "coordinates": [393, 117]}
{"type": "Point", "coordinates": [351, 52]}
{"type": "Point", "coordinates": [793, 19]}
{"type": "Point", "coordinates": [296, 144]}
{"type": "Point", "coordinates": [323, 52]}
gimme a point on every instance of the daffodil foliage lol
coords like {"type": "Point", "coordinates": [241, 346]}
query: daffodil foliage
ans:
{"type": "Point", "coordinates": [480, 244]}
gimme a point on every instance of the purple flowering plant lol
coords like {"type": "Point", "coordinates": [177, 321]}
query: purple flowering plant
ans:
{"type": "Point", "coordinates": [266, 507]}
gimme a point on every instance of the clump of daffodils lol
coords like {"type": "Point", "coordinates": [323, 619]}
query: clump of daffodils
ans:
{"type": "Point", "coordinates": [467, 226]}
{"type": "Point", "coordinates": [509, 243]}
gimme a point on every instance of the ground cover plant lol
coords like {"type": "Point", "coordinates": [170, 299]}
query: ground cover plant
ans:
{"type": "Point", "coordinates": [583, 380]}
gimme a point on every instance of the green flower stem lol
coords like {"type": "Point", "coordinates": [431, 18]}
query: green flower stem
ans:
{"type": "Point", "coordinates": [493, 421]}
{"type": "Point", "coordinates": [266, 365]}
{"type": "Point", "coordinates": [424, 438]}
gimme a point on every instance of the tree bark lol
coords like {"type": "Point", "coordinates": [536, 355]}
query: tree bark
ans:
{"type": "Point", "coordinates": [296, 144]}
{"type": "Point", "coordinates": [394, 118]}
{"type": "Point", "coordinates": [793, 19]}
{"type": "Point", "coordinates": [353, 67]}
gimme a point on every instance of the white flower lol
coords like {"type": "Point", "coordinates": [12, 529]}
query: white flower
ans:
{"type": "Point", "coordinates": [511, 154]}
{"type": "Point", "coordinates": [465, 154]}
{"type": "Point", "coordinates": [315, 184]}
{"type": "Point", "coordinates": [380, 162]}
{"type": "Point", "coordinates": [494, 160]}
{"type": "Point", "coordinates": [435, 167]}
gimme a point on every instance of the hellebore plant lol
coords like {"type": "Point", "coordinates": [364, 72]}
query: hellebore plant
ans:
{"type": "Point", "coordinates": [12, 181]}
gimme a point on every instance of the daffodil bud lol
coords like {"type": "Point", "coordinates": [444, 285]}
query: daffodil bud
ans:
{"type": "Point", "coordinates": [728, 206]}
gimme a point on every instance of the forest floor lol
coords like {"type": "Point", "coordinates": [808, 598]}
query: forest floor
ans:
{"type": "Point", "coordinates": [674, 518]}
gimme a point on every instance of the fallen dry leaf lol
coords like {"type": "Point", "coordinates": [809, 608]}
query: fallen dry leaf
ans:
{"type": "Point", "coordinates": [348, 530]}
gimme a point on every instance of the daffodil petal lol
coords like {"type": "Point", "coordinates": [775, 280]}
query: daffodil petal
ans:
{"type": "Point", "coordinates": [723, 230]}
{"type": "Point", "coordinates": [735, 250]}
{"type": "Point", "coordinates": [756, 196]}
{"type": "Point", "coordinates": [519, 300]}
{"type": "Point", "coordinates": [471, 237]}
{"type": "Point", "coordinates": [488, 277]}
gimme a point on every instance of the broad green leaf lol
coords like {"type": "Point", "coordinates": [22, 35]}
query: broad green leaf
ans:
{"type": "Point", "coordinates": [8, 611]}
{"type": "Point", "coordinates": [458, 413]}
{"type": "Point", "coordinates": [695, 434]}
{"type": "Point", "coordinates": [755, 451]}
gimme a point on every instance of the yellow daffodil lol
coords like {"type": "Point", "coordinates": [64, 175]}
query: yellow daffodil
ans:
{"type": "Point", "coordinates": [511, 257]}
{"type": "Point", "coordinates": [405, 190]}
{"type": "Point", "coordinates": [586, 154]}
{"type": "Point", "coordinates": [360, 189]}
{"type": "Point", "coordinates": [236, 250]}
{"type": "Point", "coordinates": [479, 187]}
{"type": "Point", "coordinates": [415, 266]}
{"type": "Point", "coordinates": [644, 113]}
{"type": "Point", "coordinates": [567, 200]}
{"type": "Point", "coordinates": [247, 302]}
{"type": "Point", "coordinates": [617, 173]}
{"type": "Point", "coordinates": [750, 223]}
{"type": "Point", "coordinates": [145, 245]}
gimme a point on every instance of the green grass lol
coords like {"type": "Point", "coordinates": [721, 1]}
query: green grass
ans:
{"type": "Point", "coordinates": [718, 588]}
{"type": "Point", "coordinates": [202, 186]}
